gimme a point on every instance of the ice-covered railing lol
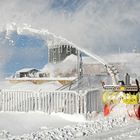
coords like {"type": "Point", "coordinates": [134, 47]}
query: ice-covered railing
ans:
{"type": "Point", "coordinates": [51, 38]}
{"type": "Point", "coordinates": [70, 102]}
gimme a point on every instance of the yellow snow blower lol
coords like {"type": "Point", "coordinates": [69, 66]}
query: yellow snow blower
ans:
{"type": "Point", "coordinates": [122, 92]}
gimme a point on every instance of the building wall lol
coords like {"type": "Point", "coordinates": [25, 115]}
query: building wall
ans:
{"type": "Point", "coordinates": [58, 53]}
{"type": "Point", "coordinates": [30, 73]}
{"type": "Point", "coordinates": [93, 69]}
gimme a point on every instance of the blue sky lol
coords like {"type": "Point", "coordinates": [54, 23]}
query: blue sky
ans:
{"type": "Point", "coordinates": [29, 51]}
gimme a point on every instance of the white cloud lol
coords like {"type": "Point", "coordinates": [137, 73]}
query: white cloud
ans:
{"type": "Point", "coordinates": [99, 25]}
{"type": "Point", "coordinates": [96, 24]}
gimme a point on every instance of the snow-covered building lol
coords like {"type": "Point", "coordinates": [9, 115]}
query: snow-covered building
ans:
{"type": "Point", "coordinates": [75, 94]}
{"type": "Point", "coordinates": [58, 51]}
{"type": "Point", "coordinates": [26, 72]}
{"type": "Point", "coordinates": [92, 67]}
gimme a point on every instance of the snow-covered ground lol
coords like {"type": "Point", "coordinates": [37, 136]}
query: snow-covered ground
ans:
{"type": "Point", "coordinates": [35, 126]}
{"type": "Point", "coordinates": [20, 123]}
{"type": "Point", "coordinates": [128, 132]}
{"type": "Point", "coordinates": [60, 126]}
{"type": "Point", "coordinates": [53, 85]}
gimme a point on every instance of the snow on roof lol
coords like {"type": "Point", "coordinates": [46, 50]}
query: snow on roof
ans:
{"type": "Point", "coordinates": [89, 60]}
{"type": "Point", "coordinates": [26, 70]}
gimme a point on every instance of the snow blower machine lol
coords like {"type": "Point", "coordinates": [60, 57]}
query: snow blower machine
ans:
{"type": "Point", "coordinates": [122, 93]}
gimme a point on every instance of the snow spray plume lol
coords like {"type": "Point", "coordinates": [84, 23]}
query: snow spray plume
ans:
{"type": "Point", "coordinates": [46, 35]}
{"type": "Point", "coordinates": [100, 26]}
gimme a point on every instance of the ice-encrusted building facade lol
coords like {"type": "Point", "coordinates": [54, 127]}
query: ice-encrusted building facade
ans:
{"type": "Point", "coordinates": [58, 51]}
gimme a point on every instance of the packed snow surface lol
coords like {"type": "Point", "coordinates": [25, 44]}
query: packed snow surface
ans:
{"type": "Point", "coordinates": [31, 86]}
{"type": "Point", "coordinates": [32, 121]}
{"type": "Point", "coordinates": [61, 126]}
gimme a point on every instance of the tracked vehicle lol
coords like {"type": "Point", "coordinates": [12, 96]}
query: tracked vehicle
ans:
{"type": "Point", "coordinates": [122, 92]}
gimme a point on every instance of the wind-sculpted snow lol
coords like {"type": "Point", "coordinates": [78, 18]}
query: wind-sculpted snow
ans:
{"type": "Point", "coordinates": [70, 132]}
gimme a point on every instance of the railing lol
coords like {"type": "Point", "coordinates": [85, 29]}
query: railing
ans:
{"type": "Point", "coordinates": [50, 101]}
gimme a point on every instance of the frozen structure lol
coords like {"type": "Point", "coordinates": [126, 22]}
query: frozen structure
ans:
{"type": "Point", "coordinates": [79, 95]}
{"type": "Point", "coordinates": [27, 72]}
{"type": "Point", "coordinates": [75, 95]}
{"type": "Point", "coordinates": [71, 102]}
{"type": "Point", "coordinates": [58, 51]}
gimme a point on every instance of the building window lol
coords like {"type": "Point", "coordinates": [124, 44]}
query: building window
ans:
{"type": "Point", "coordinates": [54, 60]}
{"type": "Point", "coordinates": [68, 50]}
